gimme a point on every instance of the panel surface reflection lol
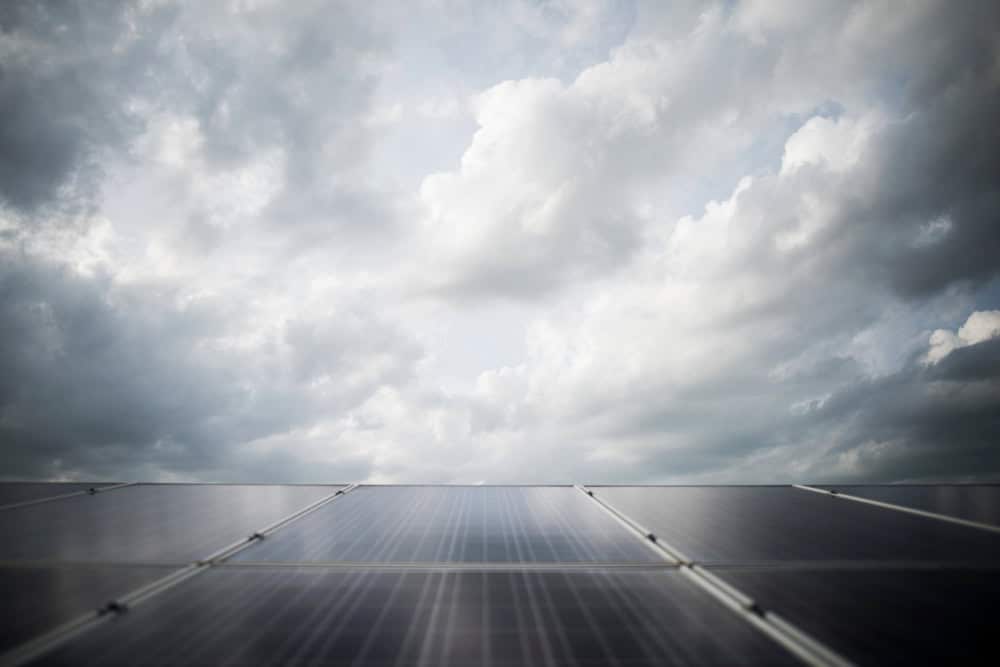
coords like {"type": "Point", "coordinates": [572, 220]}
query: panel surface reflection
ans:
{"type": "Point", "coordinates": [747, 524]}
{"type": "Point", "coordinates": [171, 522]}
{"type": "Point", "coordinates": [975, 502]}
{"type": "Point", "coordinates": [262, 615]}
{"type": "Point", "coordinates": [456, 524]}
{"type": "Point", "coordinates": [886, 617]}
{"type": "Point", "coordinates": [39, 598]}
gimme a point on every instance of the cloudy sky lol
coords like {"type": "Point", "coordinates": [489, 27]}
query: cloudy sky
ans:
{"type": "Point", "coordinates": [438, 241]}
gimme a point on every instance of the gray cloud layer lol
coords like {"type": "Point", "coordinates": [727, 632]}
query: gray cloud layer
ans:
{"type": "Point", "coordinates": [727, 249]}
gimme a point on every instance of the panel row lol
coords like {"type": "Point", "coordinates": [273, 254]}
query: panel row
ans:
{"type": "Point", "coordinates": [322, 615]}
{"type": "Point", "coordinates": [148, 523]}
{"type": "Point", "coordinates": [425, 524]}
{"type": "Point", "coordinates": [268, 615]}
{"type": "Point", "coordinates": [265, 615]}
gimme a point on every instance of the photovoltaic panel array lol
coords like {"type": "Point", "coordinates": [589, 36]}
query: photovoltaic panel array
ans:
{"type": "Point", "coordinates": [515, 575]}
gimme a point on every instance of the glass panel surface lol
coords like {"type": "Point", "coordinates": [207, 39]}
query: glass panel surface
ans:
{"type": "Point", "coordinates": [169, 522]}
{"type": "Point", "coordinates": [456, 524]}
{"type": "Point", "coordinates": [19, 492]}
{"type": "Point", "coordinates": [883, 617]}
{"type": "Point", "coordinates": [315, 615]}
{"type": "Point", "coordinates": [38, 599]}
{"type": "Point", "coordinates": [758, 524]}
{"type": "Point", "coordinates": [975, 502]}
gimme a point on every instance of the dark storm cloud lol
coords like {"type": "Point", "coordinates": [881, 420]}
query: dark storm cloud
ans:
{"type": "Point", "coordinates": [923, 210]}
{"type": "Point", "coordinates": [942, 164]}
{"type": "Point", "coordinates": [110, 382]}
{"type": "Point", "coordinates": [924, 423]}
{"type": "Point", "coordinates": [60, 89]}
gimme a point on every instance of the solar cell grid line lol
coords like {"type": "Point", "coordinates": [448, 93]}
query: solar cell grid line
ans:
{"type": "Point", "coordinates": [338, 615]}
{"type": "Point", "coordinates": [900, 508]}
{"type": "Point", "coordinates": [430, 587]}
{"type": "Point", "coordinates": [455, 524]}
{"type": "Point", "coordinates": [805, 647]}
{"type": "Point", "coordinates": [426, 655]}
{"type": "Point", "coordinates": [49, 641]}
{"type": "Point", "coordinates": [87, 490]}
{"type": "Point", "coordinates": [624, 604]}
{"type": "Point", "coordinates": [370, 641]}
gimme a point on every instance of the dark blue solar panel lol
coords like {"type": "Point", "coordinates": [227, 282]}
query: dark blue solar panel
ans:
{"type": "Point", "coordinates": [36, 599]}
{"type": "Point", "coordinates": [319, 616]}
{"type": "Point", "coordinates": [759, 524]}
{"type": "Point", "coordinates": [456, 524]}
{"type": "Point", "coordinates": [886, 617]}
{"type": "Point", "coordinates": [164, 523]}
{"type": "Point", "coordinates": [975, 502]}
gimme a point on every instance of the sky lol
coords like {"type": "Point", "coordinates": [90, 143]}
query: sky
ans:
{"type": "Point", "coordinates": [435, 241]}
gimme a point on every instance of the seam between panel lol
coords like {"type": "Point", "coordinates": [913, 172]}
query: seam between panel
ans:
{"type": "Point", "coordinates": [901, 508]}
{"type": "Point", "coordinates": [42, 644]}
{"type": "Point", "coordinates": [443, 566]}
{"type": "Point", "coordinates": [806, 648]}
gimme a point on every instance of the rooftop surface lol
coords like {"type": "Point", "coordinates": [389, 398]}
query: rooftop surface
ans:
{"type": "Point", "coordinates": [124, 574]}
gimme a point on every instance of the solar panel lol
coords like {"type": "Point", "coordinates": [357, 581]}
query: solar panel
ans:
{"type": "Point", "coordinates": [761, 524]}
{"type": "Point", "coordinates": [38, 598]}
{"type": "Point", "coordinates": [456, 524]}
{"type": "Point", "coordinates": [155, 523]}
{"type": "Point", "coordinates": [19, 492]}
{"type": "Point", "coordinates": [886, 616]}
{"type": "Point", "coordinates": [265, 615]}
{"type": "Point", "coordinates": [490, 575]}
{"type": "Point", "coordinates": [974, 502]}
